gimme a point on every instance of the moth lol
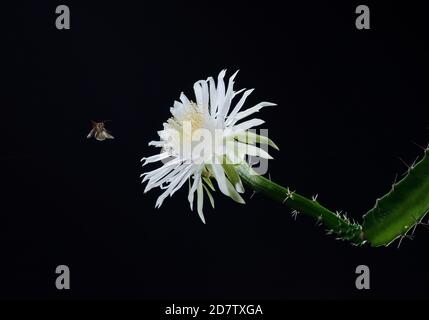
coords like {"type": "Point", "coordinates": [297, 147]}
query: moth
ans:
{"type": "Point", "coordinates": [99, 132]}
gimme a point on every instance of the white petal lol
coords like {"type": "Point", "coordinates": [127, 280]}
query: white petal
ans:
{"type": "Point", "coordinates": [153, 173]}
{"type": "Point", "coordinates": [233, 154]}
{"type": "Point", "coordinates": [209, 195]}
{"type": "Point", "coordinates": [198, 93]}
{"type": "Point", "coordinates": [205, 90]}
{"type": "Point", "coordinates": [229, 95]}
{"type": "Point", "coordinates": [184, 99]}
{"type": "Point", "coordinates": [192, 191]}
{"type": "Point", "coordinates": [238, 106]}
{"type": "Point", "coordinates": [233, 193]}
{"type": "Point", "coordinates": [247, 125]}
{"type": "Point", "coordinates": [220, 178]}
{"type": "Point", "coordinates": [253, 138]}
{"type": "Point", "coordinates": [173, 184]}
{"type": "Point", "coordinates": [248, 112]}
{"type": "Point", "coordinates": [177, 105]}
{"type": "Point", "coordinates": [177, 109]}
{"type": "Point", "coordinates": [158, 179]}
{"type": "Point", "coordinates": [253, 151]}
{"type": "Point", "coordinates": [184, 178]}
{"type": "Point", "coordinates": [162, 177]}
{"type": "Point", "coordinates": [200, 199]}
{"type": "Point", "coordinates": [157, 143]}
{"type": "Point", "coordinates": [157, 157]}
{"type": "Point", "coordinates": [213, 96]}
{"type": "Point", "coordinates": [238, 92]}
{"type": "Point", "coordinates": [220, 92]}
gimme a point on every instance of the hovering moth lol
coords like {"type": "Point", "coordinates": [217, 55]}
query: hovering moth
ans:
{"type": "Point", "coordinates": [99, 131]}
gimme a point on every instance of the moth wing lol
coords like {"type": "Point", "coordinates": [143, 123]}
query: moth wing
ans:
{"type": "Point", "coordinates": [108, 135]}
{"type": "Point", "coordinates": [91, 133]}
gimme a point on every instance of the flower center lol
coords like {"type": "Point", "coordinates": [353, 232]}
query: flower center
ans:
{"type": "Point", "coordinates": [189, 134]}
{"type": "Point", "coordinates": [193, 118]}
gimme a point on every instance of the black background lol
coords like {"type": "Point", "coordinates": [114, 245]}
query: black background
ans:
{"type": "Point", "coordinates": [350, 104]}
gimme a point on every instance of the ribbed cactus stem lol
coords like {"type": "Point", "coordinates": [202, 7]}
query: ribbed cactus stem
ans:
{"type": "Point", "coordinates": [402, 209]}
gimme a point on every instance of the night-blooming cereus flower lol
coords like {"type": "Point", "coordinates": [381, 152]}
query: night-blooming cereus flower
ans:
{"type": "Point", "coordinates": [206, 140]}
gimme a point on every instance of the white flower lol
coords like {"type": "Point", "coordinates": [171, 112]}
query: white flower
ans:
{"type": "Point", "coordinates": [206, 140]}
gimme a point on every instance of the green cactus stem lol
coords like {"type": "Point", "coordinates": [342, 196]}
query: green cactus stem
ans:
{"type": "Point", "coordinates": [392, 217]}
{"type": "Point", "coordinates": [400, 210]}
